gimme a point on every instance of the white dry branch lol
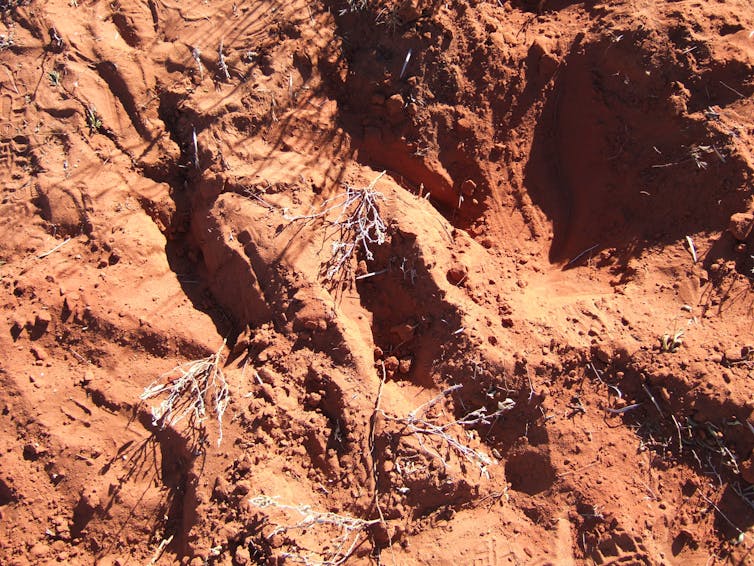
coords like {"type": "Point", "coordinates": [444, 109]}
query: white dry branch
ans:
{"type": "Point", "coordinates": [358, 225]}
{"type": "Point", "coordinates": [343, 545]}
{"type": "Point", "coordinates": [222, 66]}
{"type": "Point", "coordinates": [197, 55]}
{"type": "Point", "coordinates": [418, 423]}
{"type": "Point", "coordinates": [192, 389]}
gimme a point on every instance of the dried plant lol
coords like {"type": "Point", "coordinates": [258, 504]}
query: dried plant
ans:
{"type": "Point", "coordinates": [358, 225]}
{"type": "Point", "coordinates": [420, 424]}
{"type": "Point", "coordinates": [339, 548]}
{"type": "Point", "coordinates": [222, 66]}
{"type": "Point", "coordinates": [192, 389]}
{"type": "Point", "coordinates": [197, 55]}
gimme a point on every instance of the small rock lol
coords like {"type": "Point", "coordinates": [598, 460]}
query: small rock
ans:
{"type": "Point", "coordinates": [39, 352]}
{"type": "Point", "coordinates": [391, 363]}
{"type": "Point", "coordinates": [747, 470]}
{"type": "Point", "coordinates": [39, 550]}
{"type": "Point", "coordinates": [313, 400]}
{"type": "Point", "coordinates": [404, 366]}
{"type": "Point", "coordinates": [221, 490]}
{"type": "Point", "coordinates": [381, 533]}
{"type": "Point", "coordinates": [243, 487]}
{"type": "Point", "coordinates": [276, 541]}
{"type": "Point", "coordinates": [387, 466]}
{"type": "Point", "coordinates": [456, 274]}
{"type": "Point", "coordinates": [468, 187]}
{"type": "Point", "coordinates": [741, 224]}
{"type": "Point", "coordinates": [88, 377]}
{"type": "Point", "coordinates": [33, 451]}
{"type": "Point", "coordinates": [734, 354]}
{"type": "Point", "coordinates": [42, 321]}
{"type": "Point", "coordinates": [242, 556]}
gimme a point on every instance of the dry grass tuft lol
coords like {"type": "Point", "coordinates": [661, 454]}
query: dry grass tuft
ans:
{"type": "Point", "coordinates": [192, 389]}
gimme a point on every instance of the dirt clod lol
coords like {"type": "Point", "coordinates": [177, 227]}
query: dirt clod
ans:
{"type": "Point", "coordinates": [740, 225]}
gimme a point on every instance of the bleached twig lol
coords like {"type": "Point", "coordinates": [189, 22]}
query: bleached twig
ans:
{"type": "Point", "coordinates": [418, 423]}
{"type": "Point", "coordinates": [221, 64]}
{"type": "Point", "coordinates": [197, 55]}
{"type": "Point", "coordinates": [190, 388]}
{"type": "Point", "coordinates": [53, 250]}
{"type": "Point", "coordinates": [358, 224]}
{"type": "Point", "coordinates": [344, 544]}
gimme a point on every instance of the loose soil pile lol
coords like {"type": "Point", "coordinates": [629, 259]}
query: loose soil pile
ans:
{"type": "Point", "coordinates": [535, 347]}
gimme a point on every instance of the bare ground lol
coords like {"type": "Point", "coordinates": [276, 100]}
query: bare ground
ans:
{"type": "Point", "coordinates": [548, 360]}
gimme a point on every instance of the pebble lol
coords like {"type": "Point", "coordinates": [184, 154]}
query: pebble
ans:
{"type": "Point", "coordinates": [242, 556]}
{"type": "Point", "coordinates": [456, 274]}
{"type": "Point", "coordinates": [39, 550]}
{"type": "Point", "coordinates": [741, 224]}
{"type": "Point", "coordinates": [43, 320]}
{"type": "Point", "coordinates": [39, 352]}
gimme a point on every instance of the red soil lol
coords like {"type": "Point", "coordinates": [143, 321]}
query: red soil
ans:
{"type": "Point", "coordinates": [567, 183]}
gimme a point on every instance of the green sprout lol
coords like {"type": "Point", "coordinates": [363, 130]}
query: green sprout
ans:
{"type": "Point", "coordinates": [93, 120]}
{"type": "Point", "coordinates": [671, 343]}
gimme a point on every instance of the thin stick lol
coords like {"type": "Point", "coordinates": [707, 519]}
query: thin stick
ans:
{"type": "Point", "coordinates": [708, 500]}
{"type": "Point", "coordinates": [622, 410]}
{"type": "Point", "coordinates": [678, 428]}
{"type": "Point", "coordinates": [160, 549]}
{"type": "Point", "coordinates": [56, 248]}
{"type": "Point", "coordinates": [221, 64]}
{"type": "Point", "coordinates": [692, 249]}
{"type": "Point", "coordinates": [374, 463]}
{"type": "Point", "coordinates": [733, 90]}
{"type": "Point", "coordinates": [372, 274]}
{"type": "Point", "coordinates": [582, 254]}
{"type": "Point", "coordinates": [654, 401]}
{"type": "Point", "coordinates": [196, 147]}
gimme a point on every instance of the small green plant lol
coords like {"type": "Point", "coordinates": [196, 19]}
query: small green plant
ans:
{"type": "Point", "coordinates": [54, 77]}
{"type": "Point", "coordinates": [670, 343]}
{"type": "Point", "coordinates": [93, 120]}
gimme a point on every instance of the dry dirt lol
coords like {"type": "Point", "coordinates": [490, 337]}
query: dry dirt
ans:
{"type": "Point", "coordinates": [549, 359]}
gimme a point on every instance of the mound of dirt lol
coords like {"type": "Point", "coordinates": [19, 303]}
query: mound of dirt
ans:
{"type": "Point", "coordinates": [377, 281]}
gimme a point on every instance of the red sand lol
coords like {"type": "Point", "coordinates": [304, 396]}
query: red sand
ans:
{"type": "Point", "coordinates": [567, 184]}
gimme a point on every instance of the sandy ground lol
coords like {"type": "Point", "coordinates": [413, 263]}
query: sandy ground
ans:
{"type": "Point", "coordinates": [476, 278]}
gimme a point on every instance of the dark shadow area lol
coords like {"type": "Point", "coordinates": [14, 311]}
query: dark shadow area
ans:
{"type": "Point", "coordinates": [393, 101]}
{"type": "Point", "coordinates": [164, 459]}
{"type": "Point", "coordinates": [7, 493]}
{"type": "Point", "coordinates": [703, 433]}
{"type": "Point", "coordinates": [414, 328]}
{"type": "Point", "coordinates": [540, 6]}
{"type": "Point", "coordinates": [614, 164]}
